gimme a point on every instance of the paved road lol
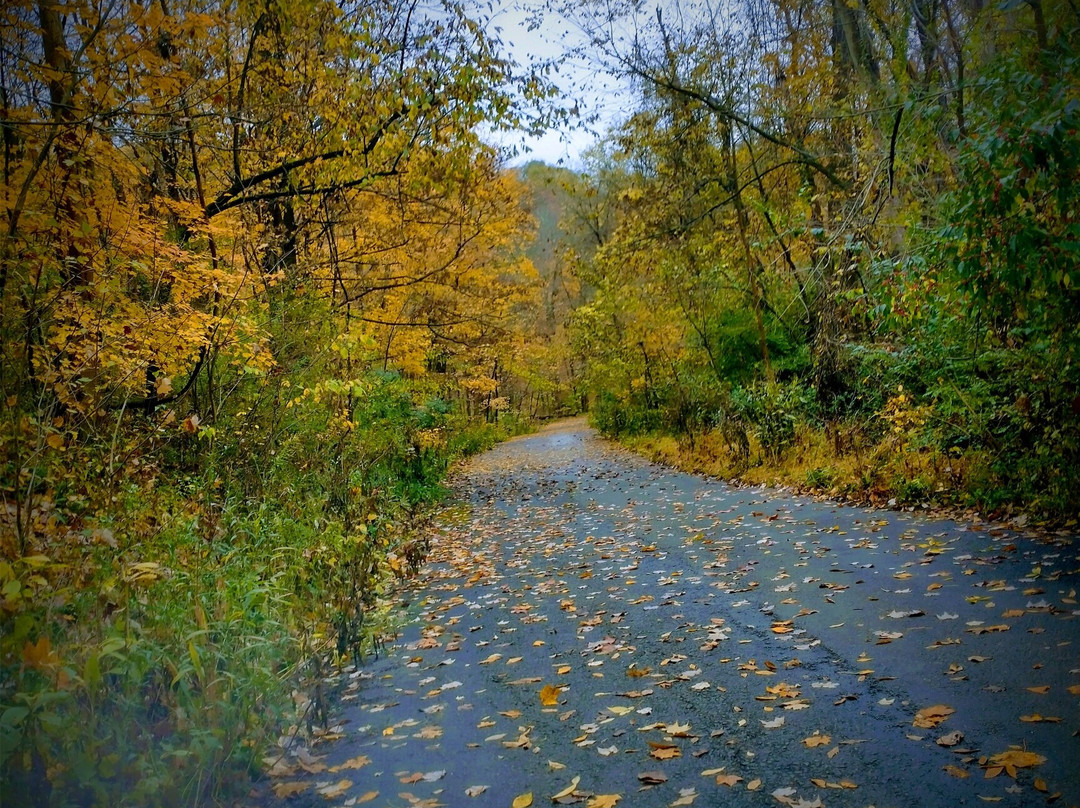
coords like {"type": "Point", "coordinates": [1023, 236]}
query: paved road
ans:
{"type": "Point", "coordinates": [671, 640]}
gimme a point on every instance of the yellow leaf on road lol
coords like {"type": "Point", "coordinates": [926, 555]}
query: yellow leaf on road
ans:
{"type": "Point", "coordinates": [284, 791]}
{"type": "Point", "coordinates": [353, 763]}
{"type": "Point", "coordinates": [522, 800]}
{"type": "Point", "coordinates": [603, 801]}
{"type": "Point", "coordinates": [930, 717]}
{"type": "Point", "coordinates": [566, 792]}
{"type": "Point", "coordinates": [549, 695]}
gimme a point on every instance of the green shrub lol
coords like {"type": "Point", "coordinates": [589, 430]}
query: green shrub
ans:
{"type": "Point", "coordinates": [773, 410]}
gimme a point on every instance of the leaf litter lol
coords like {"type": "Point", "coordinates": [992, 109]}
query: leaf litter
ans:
{"type": "Point", "coordinates": [575, 591]}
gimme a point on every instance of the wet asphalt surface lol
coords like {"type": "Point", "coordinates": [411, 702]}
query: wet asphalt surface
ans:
{"type": "Point", "coordinates": [669, 639]}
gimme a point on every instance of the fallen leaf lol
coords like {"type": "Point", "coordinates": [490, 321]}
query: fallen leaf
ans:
{"type": "Point", "coordinates": [664, 751]}
{"type": "Point", "coordinates": [652, 778]}
{"type": "Point", "coordinates": [352, 763]}
{"type": "Point", "coordinates": [784, 795]}
{"type": "Point", "coordinates": [930, 717]}
{"type": "Point", "coordinates": [686, 797]}
{"type": "Point", "coordinates": [1036, 718]}
{"type": "Point", "coordinates": [816, 740]}
{"type": "Point", "coordinates": [549, 695]}
{"type": "Point", "coordinates": [1012, 760]}
{"type": "Point", "coordinates": [727, 779]}
{"type": "Point", "coordinates": [753, 785]}
{"type": "Point", "coordinates": [522, 800]}
{"type": "Point", "coordinates": [951, 738]}
{"type": "Point", "coordinates": [475, 791]}
{"type": "Point", "coordinates": [603, 801]}
{"type": "Point", "coordinates": [1042, 690]}
{"type": "Point", "coordinates": [570, 789]}
{"type": "Point", "coordinates": [284, 791]}
{"type": "Point", "coordinates": [334, 790]}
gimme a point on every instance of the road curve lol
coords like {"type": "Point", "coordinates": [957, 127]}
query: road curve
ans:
{"type": "Point", "coordinates": [591, 625]}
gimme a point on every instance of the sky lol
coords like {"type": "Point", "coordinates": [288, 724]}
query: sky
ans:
{"type": "Point", "coordinates": [593, 92]}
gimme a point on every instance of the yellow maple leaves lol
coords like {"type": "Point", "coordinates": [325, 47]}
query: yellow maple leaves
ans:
{"type": "Point", "coordinates": [549, 695]}
{"type": "Point", "coordinates": [1009, 761]}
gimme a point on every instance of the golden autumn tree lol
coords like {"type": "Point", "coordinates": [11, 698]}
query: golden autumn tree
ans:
{"type": "Point", "coordinates": [250, 255]}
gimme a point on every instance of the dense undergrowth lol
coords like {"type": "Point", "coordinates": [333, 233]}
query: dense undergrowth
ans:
{"type": "Point", "coordinates": [842, 263]}
{"type": "Point", "coordinates": [261, 283]}
{"type": "Point", "coordinates": [151, 657]}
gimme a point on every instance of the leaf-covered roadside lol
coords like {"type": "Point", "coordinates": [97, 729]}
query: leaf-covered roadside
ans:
{"type": "Point", "coordinates": [594, 630]}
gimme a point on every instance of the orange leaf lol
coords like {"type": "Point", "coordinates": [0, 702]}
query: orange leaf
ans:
{"type": "Point", "coordinates": [603, 801]}
{"type": "Point", "coordinates": [284, 791]}
{"type": "Point", "coordinates": [929, 717]}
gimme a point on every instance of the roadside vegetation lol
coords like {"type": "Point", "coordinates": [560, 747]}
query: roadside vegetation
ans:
{"type": "Point", "coordinates": [837, 245]}
{"type": "Point", "coordinates": [261, 286]}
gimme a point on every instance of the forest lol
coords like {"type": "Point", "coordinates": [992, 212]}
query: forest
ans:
{"type": "Point", "coordinates": [265, 278]}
